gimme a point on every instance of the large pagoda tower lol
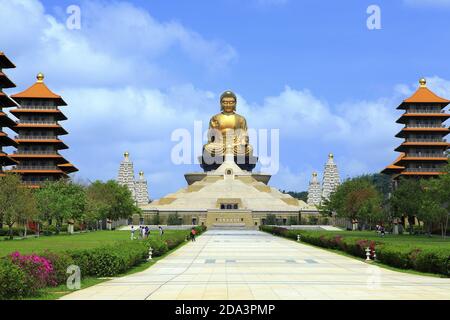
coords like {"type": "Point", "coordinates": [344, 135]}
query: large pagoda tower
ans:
{"type": "Point", "coordinates": [423, 151]}
{"type": "Point", "coordinates": [5, 121]}
{"type": "Point", "coordinates": [38, 131]}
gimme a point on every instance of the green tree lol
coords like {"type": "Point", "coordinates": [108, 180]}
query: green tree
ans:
{"type": "Point", "coordinates": [109, 200]}
{"type": "Point", "coordinates": [435, 205]}
{"type": "Point", "coordinates": [61, 200]}
{"type": "Point", "coordinates": [356, 199]}
{"type": "Point", "coordinates": [17, 202]}
{"type": "Point", "coordinates": [406, 200]}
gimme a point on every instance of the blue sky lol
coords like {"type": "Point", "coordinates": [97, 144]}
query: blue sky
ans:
{"type": "Point", "coordinates": [137, 70]}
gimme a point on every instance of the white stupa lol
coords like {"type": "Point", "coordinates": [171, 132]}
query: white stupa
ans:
{"type": "Point", "coordinates": [126, 177]}
{"type": "Point", "coordinates": [331, 178]}
{"type": "Point", "coordinates": [141, 190]}
{"type": "Point", "coordinates": [314, 191]}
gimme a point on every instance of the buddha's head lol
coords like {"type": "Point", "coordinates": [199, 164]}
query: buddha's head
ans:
{"type": "Point", "coordinates": [228, 102]}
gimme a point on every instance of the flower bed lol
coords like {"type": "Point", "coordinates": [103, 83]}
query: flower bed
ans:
{"type": "Point", "coordinates": [424, 259]}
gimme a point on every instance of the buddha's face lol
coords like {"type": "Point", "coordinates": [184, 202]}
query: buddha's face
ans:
{"type": "Point", "coordinates": [228, 104]}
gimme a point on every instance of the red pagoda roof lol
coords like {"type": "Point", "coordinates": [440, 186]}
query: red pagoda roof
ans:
{"type": "Point", "coordinates": [5, 121]}
{"type": "Point", "coordinates": [67, 168]}
{"type": "Point", "coordinates": [394, 167]}
{"type": "Point", "coordinates": [5, 160]}
{"type": "Point", "coordinates": [39, 91]}
{"type": "Point", "coordinates": [6, 102]}
{"type": "Point", "coordinates": [5, 63]}
{"type": "Point", "coordinates": [424, 95]}
{"type": "Point", "coordinates": [5, 82]}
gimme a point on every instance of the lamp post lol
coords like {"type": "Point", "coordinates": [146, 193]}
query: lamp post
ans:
{"type": "Point", "coordinates": [150, 253]}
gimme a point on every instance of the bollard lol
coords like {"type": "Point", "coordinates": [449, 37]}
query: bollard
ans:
{"type": "Point", "coordinates": [150, 253]}
{"type": "Point", "coordinates": [367, 254]}
{"type": "Point", "coordinates": [374, 255]}
{"type": "Point", "coordinates": [298, 238]}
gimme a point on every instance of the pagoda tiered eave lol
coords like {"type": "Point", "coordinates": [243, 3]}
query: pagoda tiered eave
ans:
{"type": "Point", "coordinates": [5, 82]}
{"type": "Point", "coordinates": [407, 116]}
{"type": "Point", "coordinates": [5, 63]}
{"type": "Point", "coordinates": [55, 112]}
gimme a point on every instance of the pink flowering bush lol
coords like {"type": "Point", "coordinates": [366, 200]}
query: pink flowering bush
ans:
{"type": "Point", "coordinates": [39, 270]}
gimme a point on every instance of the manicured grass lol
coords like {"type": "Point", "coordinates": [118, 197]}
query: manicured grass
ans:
{"type": "Point", "coordinates": [61, 243]}
{"type": "Point", "coordinates": [402, 240]}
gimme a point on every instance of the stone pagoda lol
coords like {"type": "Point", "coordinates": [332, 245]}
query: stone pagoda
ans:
{"type": "Point", "coordinates": [423, 150]}
{"type": "Point", "coordinates": [38, 138]}
{"type": "Point", "coordinates": [331, 178]}
{"type": "Point", "coordinates": [5, 121]}
{"type": "Point", "coordinates": [141, 190]}
{"type": "Point", "coordinates": [126, 177]}
{"type": "Point", "coordinates": [314, 191]}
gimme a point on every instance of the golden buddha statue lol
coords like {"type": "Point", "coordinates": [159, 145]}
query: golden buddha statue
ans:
{"type": "Point", "coordinates": [227, 134]}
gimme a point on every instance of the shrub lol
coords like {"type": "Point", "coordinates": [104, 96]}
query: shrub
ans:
{"type": "Point", "coordinates": [110, 260]}
{"type": "Point", "coordinates": [159, 247]}
{"type": "Point", "coordinates": [38, 270]}
{"type": "Point", "coordinates": [13, 280]}
{"type": "Point", "coordinates": [434, 260]}
{"type": "Point", "coordinates": [60, 263]}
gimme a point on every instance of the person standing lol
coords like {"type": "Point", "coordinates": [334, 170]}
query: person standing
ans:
{"type": "Point", "coordinates": [147, 232]}
{"type": "Point", "coordinates": [193, 232]}
{"type": "Point", "coordinates": [161, 231]}
{"type": "Point", "coordinates": [132, 232]}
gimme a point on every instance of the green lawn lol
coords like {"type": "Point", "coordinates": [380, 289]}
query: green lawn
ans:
{"type": "Point", "coordinates": [76, 241]}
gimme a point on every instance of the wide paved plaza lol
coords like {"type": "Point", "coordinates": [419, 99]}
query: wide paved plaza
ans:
{"type": "Point", "coordinates": [243, 264]}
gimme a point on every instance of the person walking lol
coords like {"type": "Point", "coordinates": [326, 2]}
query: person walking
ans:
{"type": "Point", "coordinates": [161, 231]}
{"type": "Point", "coordinates": [147, 232]}
{"type": "Point", "coordinates": [132, 232]}
{"type": "Point", "coordinates": [193, 232]}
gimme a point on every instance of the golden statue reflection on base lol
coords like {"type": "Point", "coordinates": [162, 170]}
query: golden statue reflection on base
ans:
{"type": "Point", "coordinates": [227, 135]}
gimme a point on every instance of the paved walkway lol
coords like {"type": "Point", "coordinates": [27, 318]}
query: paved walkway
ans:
{"type": "Point", "coordinates": [256, 265]}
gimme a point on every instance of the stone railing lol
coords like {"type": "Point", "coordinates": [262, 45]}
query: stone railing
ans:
{"type": "Point", "coordinates": [424, 111]}
{"type": "Point", "coordinates": [23, 167]}
{"type": "Point", "coordinates": [24, 107]}
{"type": "Point", "coordinates": [35, 152]}
{"type": "Point", "coordinates": [425, 125]}
{"type": "Point", "coordinates": [423, 169]}
{"type": "Point", "coordinates": [24, 137]}
{"type": "Point", "coordinates": [35, 122]}
{"type": "Point", "coordinates": [426, 155]}
{"type": "Point", "coordinates": [425, 140]}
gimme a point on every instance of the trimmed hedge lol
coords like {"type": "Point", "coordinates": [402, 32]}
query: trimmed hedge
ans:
{"type": "Point", "coordinates": [432, 260]}
{"type": "Point", "coordinates": [111, 260]}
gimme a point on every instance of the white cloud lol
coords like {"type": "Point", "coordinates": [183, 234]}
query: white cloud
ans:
{"type": "Point", "coordinates": [118, 44]}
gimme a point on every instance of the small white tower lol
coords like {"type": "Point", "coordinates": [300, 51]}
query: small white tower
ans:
{"type": "Point", "coordinates": [314, 191]}
{"type": "Point", "coordinates": [141, 190]}
{"type": "Point", "coordinates": [126, 174]}
{"type": "Point", "coordinates": [331, 178]}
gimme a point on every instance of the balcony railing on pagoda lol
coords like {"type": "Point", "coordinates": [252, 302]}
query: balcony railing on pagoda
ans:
{"type": "Point", "coordinates": [23, 137]}
{"type": "Point", "coordinates": [422, 125]}
{"type": "Point", "coordinates": [35, 122]}
{"type": "Point", "coordinates": [426, 155]}
{"type": "Point", "coordinates": [423, 169]}
{"type": "Point", "coordinates": [24, 167]}
{"type": "Point", "coordinates": [35, 152]}
{"type": "Point", "coordinates": [409, 111]}
{"type": "Point", "coordinates": [37, 107]}
{"type": "Point", "coordinates": [425, 140]}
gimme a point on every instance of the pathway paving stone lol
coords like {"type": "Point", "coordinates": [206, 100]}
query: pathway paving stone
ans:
{"type": "Point", "coordinates": [245, 265]}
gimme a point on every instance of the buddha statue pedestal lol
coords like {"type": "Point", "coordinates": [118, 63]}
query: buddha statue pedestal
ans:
{"type": "Point", "coordinates": [209, 163]}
